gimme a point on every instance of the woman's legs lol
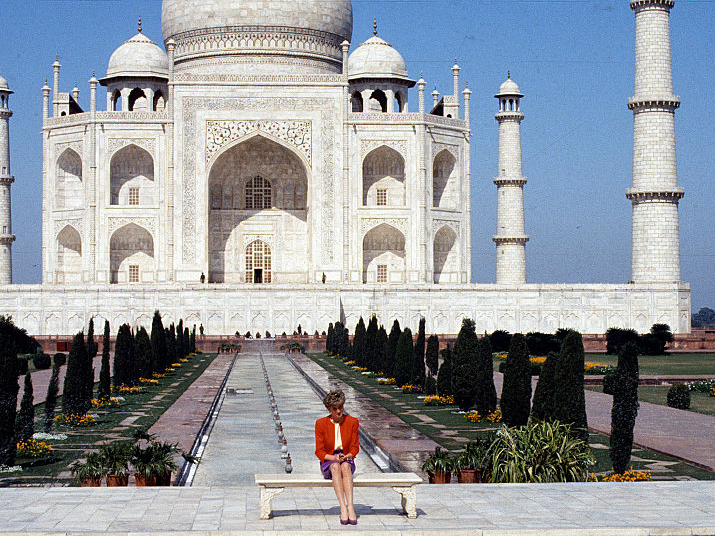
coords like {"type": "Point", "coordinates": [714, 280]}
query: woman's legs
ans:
{"type": "Point", "coordinates": [347, 477]}
{"type": "Point", "coordinates": [338, 486]}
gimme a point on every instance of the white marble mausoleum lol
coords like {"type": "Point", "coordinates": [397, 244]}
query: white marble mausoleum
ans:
{"type": "Point", "coordinates": [249, 172]}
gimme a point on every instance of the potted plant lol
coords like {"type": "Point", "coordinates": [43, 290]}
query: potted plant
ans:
{"type": "Point", "coordinates": [471, 464]}
{"type": "Point", "coordinates": [89, 472]}
{"type": "Point", "coordinates": [115, 457]}
{"type": "Point", "coordinates": [438, 466]}
{"type": "Point", "coordinates": [154, 463]}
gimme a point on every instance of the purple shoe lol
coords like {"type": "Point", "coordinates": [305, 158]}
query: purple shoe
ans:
{"type": "Point", "coordinates": [352, 521]}
{"type": "Point", "coordinates": [344, 521]}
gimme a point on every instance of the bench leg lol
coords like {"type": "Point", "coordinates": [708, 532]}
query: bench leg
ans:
{"type": "Point", "coordinates": [409, 499]}
{"type": "Point", "coordinates": [265, 497]}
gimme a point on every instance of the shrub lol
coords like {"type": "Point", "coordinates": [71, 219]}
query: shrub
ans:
{"type": "Point", "coordinates": [357, 351]}
{"type": "Point", "coordinates": [158, 344]}
{"type": "Point", "coordinates": [541, 451]}
{"type": "Point", "coordinates": [392, 340]}
{"type": "Point", "coordinates": [654, 343]}
{"type": "Point", "coordinates": [59, 359]}
{"type": "Point", "coordinates": [22, 366]}
{"type": "Point", "coordinates": [609, 382]}
{"type": "Point", "coordinates": [329, 343]}
{"type": "Point", "coordinates": [432, 355]}
{"type": "Point", "coordinates": [142, 353]}
{"type": "Point", "coordinates": [569, 398]}
{"type": "Point", "coordinates": [404, 358]}
{"type": "Point", "coordinates": [42, 361]}
{"type": "Point", "coordinates": [124, 357]}
{"type": "Point", "coordinates": [51, 397]}
{"type": "Point", "coordinates": [9, 388]}
{"type": "Point", "coordinates": [500, 340]}
{"type": "Point", "coordinates": [679, 396]}
{"type": "Point", "coordinates": [371, 350]}
{"type": "Point", "coordinates": [542, 343]}
{"type": "Point", "coordinates": [617, 337]}
{"type": "Point", "coordinates": [74, 392]}
{"type": "Point", "coordinates": [381, 350]}
{"type": "Point", "coordinates": [464, 366]}
{"type": "Point", "coordinates": [104, 388]}
{"type": "Point", "coordinates": [516, 390]}
{"type": "Point", "coordinates": [444, 376]}
{"type": "Point", "coordinates": [543, 406]}
{"type": "Point", "coordinates": [625, 407]}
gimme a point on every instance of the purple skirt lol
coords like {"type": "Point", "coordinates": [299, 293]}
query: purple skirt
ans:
{"type": "Point", "coordinates": [325, 465]}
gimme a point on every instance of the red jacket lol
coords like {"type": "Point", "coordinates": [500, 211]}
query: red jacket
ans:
{"type": "Point", "coordinates": [325, 436]}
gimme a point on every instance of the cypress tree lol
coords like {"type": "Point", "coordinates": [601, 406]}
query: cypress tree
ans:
{"type": "Point", "coordinates": [464, 366]}
{"type": "Point", "coordinates": [187, 342]}
{"type": "Point", "coordinates": [179, 348]}
{"type": "Point", "coordinates": [418, 368]}
{"type": "Point", "coordinates": [371, 344]}
{"type": "Point", "coordinates": [381, 349]}
{"type": "Point", "coordinates": [392, 341]}
{"type": "Point", "coordinates": [25, 424]}
{"type": "Point", "coordinates": [104, 388]}
{"type": "Point", "coordinates": [192, 341]}
{"type": "Point", "coordinates": [142, 353]}
{"type": "Point", "coordinates": [358, 348]}
{"type": "Point", "coordinates": [124, 357]}
{"type": "Point", "coordinates": [625, 407]}
{"type": "Point", "coordinates": [516, 389]}
{"type": "Point", "coordinates": [404, 357]}
{"type": "Point", "coordinates": [158, 344]}
{"type": "Point", "coordinates": [170, 347]}
{"type": "Point", "coordinates": [569, 398]}
{"type": "Point", "coordinates": [345, 342]}
{"type": "Point", "coordinates": [444, 376]}
{"type": "Point", "coordinates": [9, 388]}
{"type": "Point", "coordinates": [543, 406]}
{"type": "Point", "coordinates": [91, 345]}
{"type": "Point", "coordinates": [432, 355]}
{"type": "Point", "coordinates": [74, 390]}
{"type": "Point", "coordinates": [329, 344]}
{"type": "Point", "coordinates": [486, 392]}
{"type": "Point", "coordinates": [53, 389]}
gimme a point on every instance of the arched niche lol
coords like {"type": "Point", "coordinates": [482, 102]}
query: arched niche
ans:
{"type": "Point", "coordinates": [377, 101]}
{"type": "Point", "coordinates": [444, 180]}
{"type": "Point", "coordinates": [132, 177]}
{"type": "Point", "coordinates": [69, 192]}
{"type": "Point", "coordinates": [69, 256]}
{"type": "Point", "coordinates": [131, 255]}
{"type": "Point", "coordinates": [256, 185]}
{"type": "Point", "coordinates": [138, 101]}
{"type": "Point", "coordinates": [356, 102]}
{"type": "Point", "coordinates": [159, 102]}
{"type": "Point", "coordinates": [383, 169]}
{"type": "Point", "coordinates": [116, 101]}
{"type": "Point", "coordinates": [383, 255]}
{"type": "Point", "coordinates": [446, 259]}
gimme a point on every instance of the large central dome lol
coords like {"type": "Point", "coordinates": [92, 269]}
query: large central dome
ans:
{"type": "Point", "coordinates": [264, 35]}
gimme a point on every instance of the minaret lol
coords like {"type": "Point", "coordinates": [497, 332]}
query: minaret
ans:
{"type": "Point", "coordinates": [510, 237]}
{"type": "Point", "coordinates": [6, 179]}
{"type": "Point", "coordinates": [655, 193]}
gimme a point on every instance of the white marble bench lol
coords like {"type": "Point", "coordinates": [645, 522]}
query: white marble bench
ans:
{"type": "Point", "coordinates": [403, 483]}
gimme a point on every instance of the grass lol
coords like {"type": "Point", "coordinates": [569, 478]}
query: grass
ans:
{"type": "Point", "coordinates": [657, 394]}
{"type": "Point", "coordinates": [671, 364]}
{"type": "Point", "coordinates": [447, 419]}
{"type": "Point", "coordinates": [138, 412]}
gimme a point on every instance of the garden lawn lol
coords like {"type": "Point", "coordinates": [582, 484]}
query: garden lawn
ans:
{"type": "Point", "coordinates": [137, 412]}
{"type": "Point", "coordinates": [658, 394]}
{"type": "Point", "coordinates": [451, 430]}
{"type": "Point", "coordinates": [670, 365]}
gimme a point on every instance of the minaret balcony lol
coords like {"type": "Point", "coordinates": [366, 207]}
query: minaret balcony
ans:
{"type": "Point", "coordinates": [665, 196]}
{"type": "Point", "coordinates": [522, 239]}
{"type": "Point", "coordinates": [7, 238]}
{"type": "Point", "coordinates": [666, 103]}
{"type": "Point", "coordinates": [510, 181]}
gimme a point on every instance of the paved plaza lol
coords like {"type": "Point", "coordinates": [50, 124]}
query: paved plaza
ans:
{"type": "Point", "coordinates": [243, 441]}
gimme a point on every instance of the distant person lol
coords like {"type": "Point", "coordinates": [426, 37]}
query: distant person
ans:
{"type": "Point", "coordinates": [336, 445]}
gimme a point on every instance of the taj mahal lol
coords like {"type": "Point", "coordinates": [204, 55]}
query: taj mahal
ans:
{"type": "Point", "coordinates": [250, 172]}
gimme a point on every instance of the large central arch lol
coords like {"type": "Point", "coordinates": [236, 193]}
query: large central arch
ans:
{"type": "Point", "coordinates": [258, 190]}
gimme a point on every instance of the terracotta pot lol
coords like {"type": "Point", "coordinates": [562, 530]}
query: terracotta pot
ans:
{"type": "Point", "coordinates": [441, 477]}
{"type": "Point", "coordinates": [117, 480]}
{"type": "Point", "coordinates": [469, 476]}
{"type": "Point", "coordinates": [91, 482]}
{"type": "Point", "coordinates": [163, 480]}
{"type": "Point", "coordinates": [142, 481]}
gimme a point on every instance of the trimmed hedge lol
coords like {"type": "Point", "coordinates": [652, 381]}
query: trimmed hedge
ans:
{"type": "Point", "coordinates": [42, 361]}
{"type": "Point", "coordinates": [679, 396]}
{"type": "Point", "coordinates": [60, 359]}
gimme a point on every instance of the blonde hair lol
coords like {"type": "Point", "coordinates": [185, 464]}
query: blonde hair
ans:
{"type": "Point", "coordinates": [334, 399]}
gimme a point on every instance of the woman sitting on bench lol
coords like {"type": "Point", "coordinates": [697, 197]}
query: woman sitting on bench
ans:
{"type": "Point", "coordinates": [336, 445]}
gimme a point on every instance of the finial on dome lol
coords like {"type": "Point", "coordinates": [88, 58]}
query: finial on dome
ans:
{"type": "Point", "coordinates": [140, 24]}
{"type": "Point", "coordinates": [374, 26]}
{"type": "Point", "coordinates": [508, 75]}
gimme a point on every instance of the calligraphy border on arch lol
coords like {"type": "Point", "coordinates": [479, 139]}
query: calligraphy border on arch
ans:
{"type": "Point", "coordinates": [114, 144]}
{"type": "Point", "coordinates": [437, 224]}
{"type": "Point", "coordinates": [147, 223]}
{"type": "Point", "coordinates": [368, 224]}
{"type": "Point", "coordinates": [76, 223]}
{"type": "Point", "coordinates": [328, 113]}
{"type": "Point", "coordinates": [295, 133]}
{"type": "Point", "coordinates": [76, 146]}
{"type": "Point", "coordinates": [368, 145]}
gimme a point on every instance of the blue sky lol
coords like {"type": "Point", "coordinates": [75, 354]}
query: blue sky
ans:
{"type": "Point", "coordinates": [573, 60]}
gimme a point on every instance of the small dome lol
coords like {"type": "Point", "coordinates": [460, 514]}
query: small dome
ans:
{"type": "Point", "coordinates": [3, 84]}
{"type": "Point", "coordinates": [510, 88]}
{"type": "Point", "coordinates": [140, 56]}
{"type": "Point", "coordinates": [376, 58]}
